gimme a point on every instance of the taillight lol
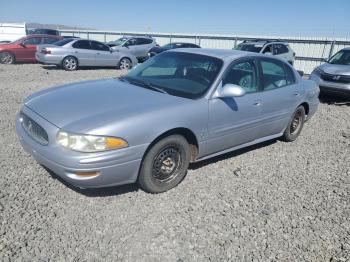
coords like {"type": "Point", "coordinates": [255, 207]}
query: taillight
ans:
{"type": "Point", "coordinates": [45, 51]}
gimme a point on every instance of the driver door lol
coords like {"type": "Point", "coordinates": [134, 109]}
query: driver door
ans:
{"type": "Point", "coordinates": [235, 120]}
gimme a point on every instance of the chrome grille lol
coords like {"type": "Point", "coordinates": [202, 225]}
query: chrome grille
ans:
{"type": "Point", "coordinates": [34, 130]}
{"type": "Point", "coordinates": [336, 78]}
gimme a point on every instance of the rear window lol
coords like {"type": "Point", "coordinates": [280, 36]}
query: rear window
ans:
{"type": "Point", "coordinates": [143, 41]}
{"type": "Point", "coordinates": [63, 42]}
{"type": "Point", "coordinates": [82, 44]}
{"type": "Point", "coordinates": [49, 40]}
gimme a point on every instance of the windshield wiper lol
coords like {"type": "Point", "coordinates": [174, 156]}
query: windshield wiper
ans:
{"type": "Point", "coordinates": [145, 84]}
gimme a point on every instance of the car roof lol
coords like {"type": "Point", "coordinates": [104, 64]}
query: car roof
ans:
{"type": "Point", "coordinates": [130, 36]}
{"type": "Point", "coordinates": [218, 53]}
{"type": "Point", "coordinates": [263, 42]}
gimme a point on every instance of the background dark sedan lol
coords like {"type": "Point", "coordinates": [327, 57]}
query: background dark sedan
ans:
{"type": "Point", "coordinates": [158, 49]}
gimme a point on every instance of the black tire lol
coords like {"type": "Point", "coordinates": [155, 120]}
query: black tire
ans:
{"type": "Point", "coordinates": [165, 164]}
{"type": "Point", "coordinates": [70, 63]}
{"type": "Point", "coordinates": [295, 125]}
{"type": "Point", "coordinates": [7, 58]}
{"type": "Point", "coordinates": [125, 64]}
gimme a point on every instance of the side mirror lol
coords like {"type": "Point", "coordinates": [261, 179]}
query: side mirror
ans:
{"type": "Point", "coordinates": [230, 90]}
{"type": "Point", "coordinates": [111, 50]}
{"type": "Point", "coordinates": [22, 44]}
{"type": "Point", "coordinates": [325, 60]}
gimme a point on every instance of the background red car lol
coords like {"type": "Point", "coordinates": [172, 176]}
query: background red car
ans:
{"type": "Point", "coordinates": [23, 49]}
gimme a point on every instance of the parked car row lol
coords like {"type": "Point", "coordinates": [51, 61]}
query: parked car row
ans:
{"type": "Point", "coordinates": [72, 52]}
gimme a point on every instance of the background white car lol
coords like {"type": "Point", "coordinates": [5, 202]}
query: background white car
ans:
{"type": "Point", "coordinates": [271, 47]}
{"type": "Point", "coordinates": [139, 46]}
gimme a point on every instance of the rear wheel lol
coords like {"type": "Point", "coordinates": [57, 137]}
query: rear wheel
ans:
{"type": "Point", "coordinates": [295, 125]}
{"type": "Point", "coordinates": [7, 58]}
{"type": "Point", "coordinates": [165, 164]}
{"type": "Point", "coordinates": [125, 63]}
{"type": "Point", "coordinates": [70, 63]}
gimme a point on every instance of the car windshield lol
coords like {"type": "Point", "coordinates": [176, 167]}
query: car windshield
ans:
{"type": "Point", "coordinates": [256, 48]}
{"type": "Point", "coordinates": [120, 41]}
{"type": "Point", "coordinates": [180, 74]}
{"type": "Point", "coordinates": [168, 46]}
{"type": "Point", "coordinates": [341, 58]}
{"type": "Point", "coordinates": [63, 42]}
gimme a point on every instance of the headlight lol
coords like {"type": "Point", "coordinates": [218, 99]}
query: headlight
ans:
{"type": "Point", "coordinates": [89, 143]}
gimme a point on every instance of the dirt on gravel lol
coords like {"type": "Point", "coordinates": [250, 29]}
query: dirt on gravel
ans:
{"type": "Point", "coordinates": [275, 201]}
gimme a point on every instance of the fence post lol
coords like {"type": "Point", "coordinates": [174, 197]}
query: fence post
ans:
{"type": "Point", "coordinates": [235, 41]}
{"type": "Point", "coordinates": [199, 40]}
{"type": "Point", "coordinates": [331, 50]}
{"type": "Point", "coordinates": [170, 37]}
{"type": "Point", "coordinates": [105, 37]}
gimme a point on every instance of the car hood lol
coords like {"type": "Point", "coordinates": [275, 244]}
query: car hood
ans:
{"type": "Point", "coordinates": [84, 106]}
{"type": "Point", "coordinates": [335, 69]}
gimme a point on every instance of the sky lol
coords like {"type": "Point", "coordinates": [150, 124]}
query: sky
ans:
{"type": "Point", "coordinates": [328, 18]}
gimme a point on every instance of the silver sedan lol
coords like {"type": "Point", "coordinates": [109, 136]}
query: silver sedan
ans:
{"type": "Point", "coordinates": [178, 107]}
{"type": "Point", "coordinates": [73, 53]}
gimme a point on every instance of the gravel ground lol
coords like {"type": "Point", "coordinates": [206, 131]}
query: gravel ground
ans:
{"type": "Point", "coordinates": [272, 202]}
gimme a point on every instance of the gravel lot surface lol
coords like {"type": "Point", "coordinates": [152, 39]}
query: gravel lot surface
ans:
{"type": "Point", "coordinates": [273, 202]}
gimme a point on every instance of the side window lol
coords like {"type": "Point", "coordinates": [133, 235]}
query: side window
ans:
{"type": "Point", "coordinates": [130, 42]}
{"type": "Point", "coordinates": [267, 49]}
{"type": "Point", "coordinates": [290, 75]}
{"type": "Point", "coordinates": [99, 46]}
{"type": "Point", "coordinates": [143, 41]}
{"type": "Point", "coordinates": [32, 41]}
{"type": "Point", "coordinates": [243, 74]}
{"type": "Point", "coordinates": [274, 74]}
{"type": "Point", "coordinates": [280, 49]}
{"type": "Point", "coordinates": [49, 40]}
{"type": "Point", "coordinates": [82, 44]}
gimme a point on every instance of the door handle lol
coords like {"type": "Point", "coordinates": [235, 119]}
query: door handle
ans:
{"type": "Point", "coordinates": [257, 103]}
{"type": "Point", "coordinates": [76, 52]}
{"type": "Point", "coordinates": [296, 94]}
{"type": "Point", "coordinates": [97, 53]}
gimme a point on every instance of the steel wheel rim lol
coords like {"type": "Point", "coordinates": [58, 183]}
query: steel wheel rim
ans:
{"type": "Point", "coordinates": [125, 64]}
{"type": "Point", "coordinates": [70, 63]}
{"type": "Point", "coordinates": [296, 123]}
{"type": "Point", "coordinates": [166, 164]}
{"type": "Point", "coordinates": [6, 58]}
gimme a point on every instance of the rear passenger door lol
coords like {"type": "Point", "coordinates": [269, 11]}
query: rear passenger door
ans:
{"type": "Point", "coordinates": [280, 96]}
{"type": "Point", "coordinates": [84, 52]}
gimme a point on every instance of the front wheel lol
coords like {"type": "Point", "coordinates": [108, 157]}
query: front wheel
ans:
{"type": "Point", "coordinates": [295, 125]}
{"type": "Point", "coordinates": [165, 164]}
{"type": "Point", "coordinates": [7, 58]}
{"type": "Point", "coordinates": [125, 64]}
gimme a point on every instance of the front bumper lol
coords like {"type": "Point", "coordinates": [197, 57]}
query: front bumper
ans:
{"type": "Point", "coordinates": [116, 167]}
{"type": "Point", "coordinates": [330, 87]}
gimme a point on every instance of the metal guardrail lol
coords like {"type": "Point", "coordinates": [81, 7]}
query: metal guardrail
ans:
{"type": "Point", "coordinates": [310, 52]}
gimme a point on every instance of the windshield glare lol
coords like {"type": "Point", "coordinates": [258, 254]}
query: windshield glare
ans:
{"type": "Point", "coordinates": [181, 74]}
{"type": "Point", "coordinates": [256, 48]}
{"type": "Point", "coordinates": [120, 41]}
{"type": "Point", "coordinates": [341, 58]}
